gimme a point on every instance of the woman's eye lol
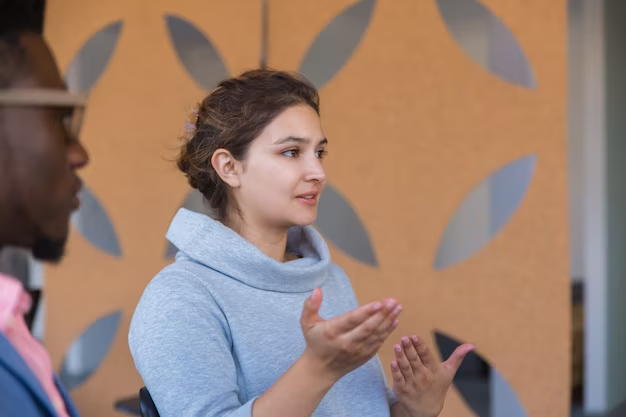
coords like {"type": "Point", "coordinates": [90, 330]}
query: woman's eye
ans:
{"type": "Point", "coordinates": [322, 153]}
{"type": "Point", "coordinates": [292, 153]}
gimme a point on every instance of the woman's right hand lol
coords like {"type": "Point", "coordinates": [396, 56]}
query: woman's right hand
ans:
{"type": "Point", "coordinates": [340, 345]}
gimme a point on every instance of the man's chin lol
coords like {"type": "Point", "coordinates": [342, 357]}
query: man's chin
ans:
{"type": "Point", "coordinates": [49, 250]}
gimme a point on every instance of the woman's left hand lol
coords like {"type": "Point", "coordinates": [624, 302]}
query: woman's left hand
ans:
{"type": "Point", "coordinates": [420, 381]}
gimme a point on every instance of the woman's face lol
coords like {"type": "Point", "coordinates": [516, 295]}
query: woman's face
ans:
{"type": "Point", "coordinates": [282, 175]}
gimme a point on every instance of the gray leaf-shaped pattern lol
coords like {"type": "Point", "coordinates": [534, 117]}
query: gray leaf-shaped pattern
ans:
{"type": "Point", "coordinates": [128, 405]}
{"type": "Point", "coordinates": [490, 397]}
{"type": "Point", "coordinates": [487, 40]}
{"type": "Point", "coordinates": [93, 57]}
{"type": "Point", "coordinates": [93, 223]}
{"type": "Point", "coordinates": [87, 352]}
{"type": "Point", "coordinates": [194, 201]}
{"type": "Point", "coordinates": [338, 221]}
{"type": "Point", "coordinates": [336, 43]}
{"type": "Point", "coordinates": [484, 212]}
{"type": "Point", "coordinates": [196, 52]}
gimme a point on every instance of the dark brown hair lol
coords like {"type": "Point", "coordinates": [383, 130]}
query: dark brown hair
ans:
{"type": "Point", "coordinates": [231, 117]}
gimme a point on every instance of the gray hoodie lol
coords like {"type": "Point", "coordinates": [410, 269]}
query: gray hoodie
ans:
{"type": "Point", "coordinates": [216, 328]}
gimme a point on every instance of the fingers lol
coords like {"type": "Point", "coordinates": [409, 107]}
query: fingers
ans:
{"type": "Point", "coordinates": [377, 325]}
{"type": "Point", "coordinates": [426, 356]}
{"type": "Point", "coordinates": [411, 352]}
{"type": "Point", "coordinates": [315, 300]}
{"type": "Point", "coordinates": [408, 363]}
{"type": "Point", "coordinates": [352, 319]}
{"type": "Point", "coordinates": [390, 321]}
{"type": "Point", "coordinates": [381, 336]}
{"type": "Point", "coordinates": [456, 359]}
{"type": "Point", "coordinates": [396, 375]}
{"type": "Point", "coordinates": [403, 362]}
{"type": "Point", "coordinates": [310, 312]}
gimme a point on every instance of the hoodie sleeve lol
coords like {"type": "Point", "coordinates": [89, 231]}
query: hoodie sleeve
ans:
{"type": "Point", "coordinates": [181, 347]}
{"type": "Point", "coordinates": [391, 396]}
{"type": "Point", "coordinates": [354, 303]}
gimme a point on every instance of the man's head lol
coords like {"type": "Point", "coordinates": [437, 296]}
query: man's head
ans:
{"type": "Point", "coordinates": [39, 154]}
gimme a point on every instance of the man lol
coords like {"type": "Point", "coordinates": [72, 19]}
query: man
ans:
{"type": "Point", "coordinates": [39, 156]}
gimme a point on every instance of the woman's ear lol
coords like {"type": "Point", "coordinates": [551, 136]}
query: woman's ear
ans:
{"type": "Point", "coordinates": [227, 167]}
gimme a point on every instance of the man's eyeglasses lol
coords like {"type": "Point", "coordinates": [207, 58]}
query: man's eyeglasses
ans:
{"type": "Point", "coordinates": [42, 97]}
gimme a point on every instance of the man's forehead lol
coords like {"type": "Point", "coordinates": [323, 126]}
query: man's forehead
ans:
{"type": "Point", "coordinates": [43, 71]}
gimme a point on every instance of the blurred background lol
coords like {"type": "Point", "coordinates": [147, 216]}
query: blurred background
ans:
{"type": "Point", "coordinates": [476, 173]}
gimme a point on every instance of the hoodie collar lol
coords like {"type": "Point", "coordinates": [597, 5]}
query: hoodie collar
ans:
{"type": "Point", "coordinates": [211, 243]}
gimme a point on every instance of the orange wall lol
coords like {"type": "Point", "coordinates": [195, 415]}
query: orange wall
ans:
{"type": "Point", "coordinates": [415, 124]}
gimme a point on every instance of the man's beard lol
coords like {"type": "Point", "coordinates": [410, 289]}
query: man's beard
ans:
{"type": "Point", "coordinates": [49, 250]}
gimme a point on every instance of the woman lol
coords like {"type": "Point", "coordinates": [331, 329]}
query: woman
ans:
{"type": "Point", "coordinates": [236, 325]}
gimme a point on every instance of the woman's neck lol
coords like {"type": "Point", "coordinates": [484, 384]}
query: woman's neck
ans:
{"type": "Point", "coordinates": [271, 241]}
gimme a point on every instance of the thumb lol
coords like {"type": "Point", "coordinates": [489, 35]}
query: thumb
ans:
{"type": "Point", "coordinates": [456, 359]}
{"type": "Point", "coordinates": [310, 312]}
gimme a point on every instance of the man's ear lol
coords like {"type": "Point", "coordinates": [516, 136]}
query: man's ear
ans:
{"type": "Point", "coordinates": [227, 167]}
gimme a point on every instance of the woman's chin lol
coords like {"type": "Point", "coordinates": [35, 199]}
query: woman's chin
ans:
{"type": "Point", "coordinates": [307, 220]}
{"type": "Point", "coordinates": [301, 221]}
{"type": "Point", "coordinates": [294, 218]}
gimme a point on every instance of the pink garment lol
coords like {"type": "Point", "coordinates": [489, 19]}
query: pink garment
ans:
{"type": "Point", "coordinates": [14, 303]}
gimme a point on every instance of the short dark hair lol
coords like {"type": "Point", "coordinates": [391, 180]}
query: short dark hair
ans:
{"type": "Point", "coordinates": [16, 18]}
{"type": "Point", "coordinates": [231, 117]}
{"type": "Point", "coordinates": [21, 16]}
{"type": "Point", "coordinates": [13, 59]}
